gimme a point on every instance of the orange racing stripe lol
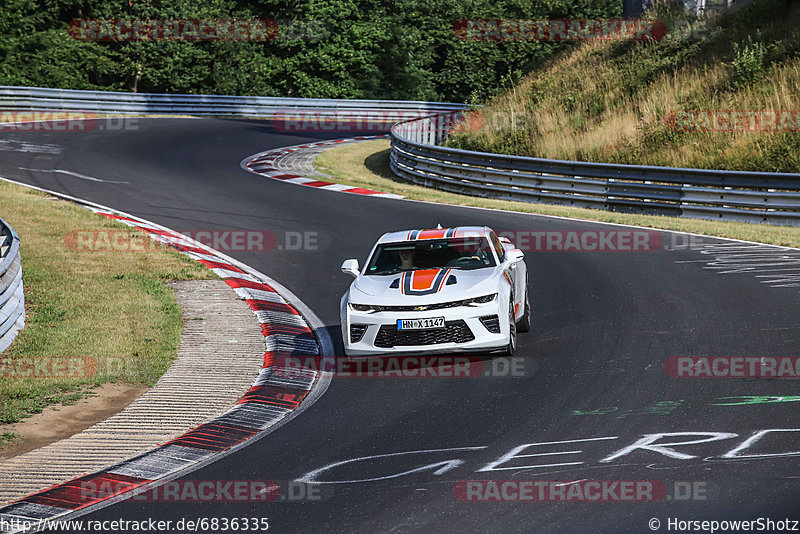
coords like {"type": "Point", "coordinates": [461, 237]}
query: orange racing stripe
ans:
{"type": "Point", "coordinates": [421, 280]}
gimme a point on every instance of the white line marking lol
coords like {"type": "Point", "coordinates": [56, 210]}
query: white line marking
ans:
{"type": "Point", "coordinates": [570, 483]}
{"type": "Point", "coordinates": [75, 174]}
{"type": "Point", "coordinates": [443, 467]}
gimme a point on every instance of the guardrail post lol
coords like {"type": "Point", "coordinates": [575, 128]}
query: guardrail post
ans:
{"type": "Point", "coordinates": [440, 126]}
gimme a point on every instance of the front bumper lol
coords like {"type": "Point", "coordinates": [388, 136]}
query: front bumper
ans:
{"type": "Point", "coordinates": [464, 331]}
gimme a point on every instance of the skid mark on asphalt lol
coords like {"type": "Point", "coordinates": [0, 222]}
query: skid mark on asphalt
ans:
{"type": "Point", "coordinates": [18, 145]}
{"type": "Point", "coordinates": [772, 266]}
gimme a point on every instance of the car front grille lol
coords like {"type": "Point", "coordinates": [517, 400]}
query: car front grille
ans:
{"type": "Point", "coordinates": [453, 332]}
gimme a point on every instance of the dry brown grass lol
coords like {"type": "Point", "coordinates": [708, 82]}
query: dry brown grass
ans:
{"type": "Point", "coordinates": [610, 101]}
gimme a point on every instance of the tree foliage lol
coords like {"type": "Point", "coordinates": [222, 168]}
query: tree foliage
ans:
{"type": "Point", "coordinates": [391, 49]}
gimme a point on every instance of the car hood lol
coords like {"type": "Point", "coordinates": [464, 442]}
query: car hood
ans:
{"type": "Point", "coordinates": [425, 286]}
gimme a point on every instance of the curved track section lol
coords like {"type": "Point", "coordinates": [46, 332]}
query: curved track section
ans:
{"type": "Point", "coordinates": [591, 399]}
{"type": "Point", "coordinates": [271, 164]}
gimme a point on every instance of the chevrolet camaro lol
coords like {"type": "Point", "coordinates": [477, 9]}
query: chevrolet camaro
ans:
{"type": "Point", "coordinates": [436, 291]}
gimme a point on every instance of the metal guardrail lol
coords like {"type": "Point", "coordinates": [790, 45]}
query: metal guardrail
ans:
{"type": "Point", "coordinates": [416, 155]}
{"type": "Point", "coordinates": [12, 299]}
{"type": "Point", "coordinates": [761, 197]}
{"type": "Point", "coordinates": [43, 99]}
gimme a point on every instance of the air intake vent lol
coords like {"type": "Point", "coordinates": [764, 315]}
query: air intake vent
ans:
{"type": "Point", "coordinates": [492, 323]}
{"type": "Point", "coordinates": [451, 280]}
{"type": "Point", "coordinates": [395, 284]}
{"type": "Point", "coordinates": [357, 332]}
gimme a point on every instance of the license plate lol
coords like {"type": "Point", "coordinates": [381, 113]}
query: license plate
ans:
{"type": "Point", "coordinates": [420, 324]}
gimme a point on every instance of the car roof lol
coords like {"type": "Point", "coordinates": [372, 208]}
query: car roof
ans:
{"type": "Point", "coordinates": [435, 233]}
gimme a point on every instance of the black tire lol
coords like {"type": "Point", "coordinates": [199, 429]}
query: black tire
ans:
{"type": "Point", "coordinates": [511, 349]}
{"type": "Point", "coordinates": [524, 323]}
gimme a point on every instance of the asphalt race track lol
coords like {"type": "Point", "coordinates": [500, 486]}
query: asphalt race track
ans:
{"type": "Point", "coordinates": [604, 325]}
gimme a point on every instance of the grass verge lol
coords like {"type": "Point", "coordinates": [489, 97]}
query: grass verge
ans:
{"type": "Point", "coordinates": [367, 165]}
{"type": "Point", "coordinates": [109, 312]}
{"type": "Point", "coordinates": [647, 103]}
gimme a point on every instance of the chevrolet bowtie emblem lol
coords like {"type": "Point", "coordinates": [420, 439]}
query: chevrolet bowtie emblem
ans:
{"type": "Point", "coordinates": [420, 308]}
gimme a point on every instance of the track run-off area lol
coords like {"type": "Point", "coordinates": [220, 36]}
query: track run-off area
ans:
{"type": "Point", "coordinates": [592, 394]}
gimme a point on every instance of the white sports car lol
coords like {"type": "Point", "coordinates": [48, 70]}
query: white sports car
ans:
{"type": "Point", "coordinates": [436, 291]}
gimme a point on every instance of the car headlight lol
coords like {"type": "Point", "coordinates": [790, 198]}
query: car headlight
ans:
{"type": "Point", "coordinates": [479, 301]}
{"type": "Point", "coordinates": [364, 308]}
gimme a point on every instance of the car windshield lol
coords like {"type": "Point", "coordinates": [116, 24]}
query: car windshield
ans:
{"type": "Point", "coordinates": [455, 253]}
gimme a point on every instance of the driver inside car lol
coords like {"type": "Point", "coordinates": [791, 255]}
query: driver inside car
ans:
{"type": "Point", "coordinates": [406, 259]}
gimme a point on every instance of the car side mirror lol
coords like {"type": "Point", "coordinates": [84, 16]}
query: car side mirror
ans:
{"type": "Point", "coordinates": [351, 267]}
{"type": "Point", "coordinates": [514, 255]}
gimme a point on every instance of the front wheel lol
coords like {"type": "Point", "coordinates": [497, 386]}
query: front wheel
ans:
{"type": "Point", "coordinates": [511, 349]}
{"type": "Point", "coordinates": [524, 323]}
